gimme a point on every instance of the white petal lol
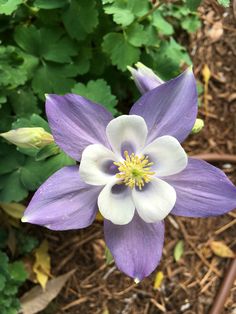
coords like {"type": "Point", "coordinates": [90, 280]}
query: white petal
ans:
{"type": "Point", "coordinates": [155, 200]}
{"type": "Point", "coordinates": [96, 166]}
{"type": "Point", "coordinates": [115, 203]}
{"type": "Point", "coordinates": [127, 133]}
{"type": "Point", "coordinates": [167, 155]}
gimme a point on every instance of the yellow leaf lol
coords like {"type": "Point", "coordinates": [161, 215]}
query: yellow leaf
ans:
{"type": "Point", "coordinates": [220, 249]}
{"type": "Point", "coordinates": [42, 264]}
{"type": "Point", "coordinates": [158, 280]}
{"type": "Point", "coordinates": [99, 217]}
{"type": "Point", "coordinates": [206, 73]}
{"type": "Point", "coordinates": [14, 210]}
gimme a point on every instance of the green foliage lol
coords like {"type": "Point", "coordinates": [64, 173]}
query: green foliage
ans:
{"type": "Point", "coordinates": [224, 3]}
{"type": "Point", "coordinates": [12, 275]}
{"type": "Point", "coordinates": [79, 46]}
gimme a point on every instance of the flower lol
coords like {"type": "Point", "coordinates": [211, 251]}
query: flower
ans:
{"type": "Point", "coordinates": [28, 137]}
{"type": "Point", "coordinates": [133, 169]}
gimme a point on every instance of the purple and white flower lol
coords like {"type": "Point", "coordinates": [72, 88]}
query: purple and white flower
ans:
{"type": "Point", "coordinates": [132, 169]}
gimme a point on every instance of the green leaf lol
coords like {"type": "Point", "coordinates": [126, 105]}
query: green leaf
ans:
{"type": "Point", "coordinates": [14, 66]}
{"type": "Point", "coordinates": [178, 250]}
{"type": "Point", "coordinates": [25, 243]}
{"type": "Point", "coordinates": [9, 6]}
{"type": "Point", "coordinates": [120, 50]}
{"type": "Point", "coordinates": [52, 78]}
{"type": "Point", "coordinates": [82, 63]}
{"type": "Point", "coordinates": [47, 151]}
{"type": "Point", "coordinates": [108, 256]}
{"type": "Point", "coordinates": [10, 158]}
{"type": "Point", "coordinates": [161, 24]}
{"type": "Point", "coordinates": [224, 3]}
{"type": "Point", "coordinates": [23, 102]}
{"type": "Point", "coordinates": [45, 43]}
{"type": "Point", "coordinates": [193, 4]}
{"type": "Point", "coordinates": [2, 282]}
{"type": "Point", "coordinates": [121, 14]}
{"type": "Point", "coordinates": [17, 271]}
{"type": "Point", "coordinates": [80, 18]}
{"type": "Point", "coordinates": [97, 91]}
{"type": "Point", "coordinates": [13, 189]}
{"type": "Point", "coordinates": [191, 23]}
{"type": "Point", "coordinates": [50, 4]}
{"type": "Point", "coordinates": [34, 173]}
{"type": "Point", "coordinates": [136, 35]}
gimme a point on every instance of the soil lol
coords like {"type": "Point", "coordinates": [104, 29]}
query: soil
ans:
{"type": "Point", "coordinates": [189, 285]}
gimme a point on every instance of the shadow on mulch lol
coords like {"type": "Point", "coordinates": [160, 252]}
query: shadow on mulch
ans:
{"type": "Point", "coordinates": [190, 285]}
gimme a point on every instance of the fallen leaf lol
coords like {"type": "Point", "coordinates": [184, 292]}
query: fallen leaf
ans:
{"type": "Point", "coordinates": [206, 76]}
{"type": "Point", "coordinates": [216, 32]}
{"type": "Point", "coordinates": [222, 250]}
{"type": "Point", "coordinates": [38, 299]}
{"type": "Point", "coordinates": [42, 264]}
{"type": "Point", "coordinates": [99, 217]}
{"type": "Point", "coordinates": [14, 210]}
{"type": "Point", "coordinates": [158, 280]}
{"type": "Point", "coordinates": [178, 250]}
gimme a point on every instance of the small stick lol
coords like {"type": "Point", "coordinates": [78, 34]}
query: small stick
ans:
{"type": "Point", "coordinates": [216, 157]}
{"type": "Point", "coordinates": [224, 290]}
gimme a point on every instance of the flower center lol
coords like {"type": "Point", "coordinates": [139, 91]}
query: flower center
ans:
{"type": "Point", "coordinates": [134, 170]}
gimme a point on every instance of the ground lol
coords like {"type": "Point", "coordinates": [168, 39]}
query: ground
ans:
{"type": "Point", "coordinates": [190, 285]}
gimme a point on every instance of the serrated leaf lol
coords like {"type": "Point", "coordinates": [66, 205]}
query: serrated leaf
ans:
{"type": "Point", "coordinates": [47, 43]}
{"type": "Point", "coordinates": [42, 265]}
{"type": "Point", "coordinates": [97, 91]}
{"type": "Point", "coordinates": [161, 24]}
{"type": "Point", "coordinates": [136, 35]}
{"type": "Point", "coordinates": [120, 50]}
{"type": "Point", "coordinates": [23, 102]}
{"type": "Point", "coordinates": [80, 18]}
{"type": "Point", "coordinates": [9, 6]}
{"type": "Point", "coordinates": [191, 23]}
{"type": "Point", "coordinates": [121, 14]}
{"type": "Point", "coordinates": [37, 299]}
{"type": "Point", "coordinates": [49, 5]}
{"type": "Point", "coordinates": [14, 210]}
{"type": "Point", "coordinates": [179, 250]}
{"type": "Point", "coordinates": [2, 282]}
{"type": "Point", "coordinates": [158, 280]}
{"type": "Point", "coordinates": [220, 249]}
{"type": "Point", "coordinates": [52, 78]}
{"type": "Point", "coordinates": [10, 159]}
{"type": "Point", "coordinates": [17, 271]}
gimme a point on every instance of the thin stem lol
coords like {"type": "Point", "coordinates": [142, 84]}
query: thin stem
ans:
{"type": "Point", "coordinates": [153, 9]}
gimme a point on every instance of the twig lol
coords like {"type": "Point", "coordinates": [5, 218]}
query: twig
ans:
{"type": "Point", "coordinates": [152, 10]}
{"type": "Point", "coordinates": [216, 157]}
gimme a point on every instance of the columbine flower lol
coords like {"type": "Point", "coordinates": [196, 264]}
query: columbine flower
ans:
{"type": "Point", "coordinates": [133, 169]}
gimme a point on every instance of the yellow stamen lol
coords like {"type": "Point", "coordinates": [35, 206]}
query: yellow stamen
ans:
{"type": "Point", "coordinates": [134, 170]}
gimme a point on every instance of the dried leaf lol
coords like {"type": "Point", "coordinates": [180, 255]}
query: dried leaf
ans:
{"type": "Point", "coordinates": [99, 217]}
{"type": "Point", "coordinates": [38, 299]}
{"type": "Point", "coordinates": [178, 250]}
{"type": "Point", "coordinates": [14, 210]}
{"type": "Point", "coordinates": [206, 73]}
{"type": "Point", "coordinates": [42, 264]}
{"type": "Point", "coordinates": [220, 249]}
{"type": "Point", "coordinates": [158, 280]}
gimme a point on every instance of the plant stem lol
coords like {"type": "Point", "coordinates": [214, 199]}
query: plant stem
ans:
{"type": "Point", "coordinates": [153, 9]}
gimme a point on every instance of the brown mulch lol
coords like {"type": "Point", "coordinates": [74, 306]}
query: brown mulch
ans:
{"type": "Point", "coordinates": [190, 285]}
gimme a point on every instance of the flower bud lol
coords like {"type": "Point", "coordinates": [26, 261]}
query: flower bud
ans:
{"type": "Point", "coordinates": [28, 137]}
{"type": "Point", "coordinates": [144, 78]}
{"type": "Point", "coordinates": [198, 126]}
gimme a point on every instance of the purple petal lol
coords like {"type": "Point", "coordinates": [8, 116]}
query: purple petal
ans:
{"type": "Point", "coordinates": [169, 109]}
{"type": "Point", "coordinates": [63, 202]}
{"type": "Point", "coordinates": [136, 247]}
{"type": "Point", "coordinates": [76, 122]}
{"type": "Point", "coordinates": [202, 190]}
{"type": "Point", "coordinates": [144, 78]}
